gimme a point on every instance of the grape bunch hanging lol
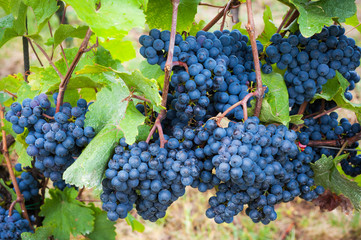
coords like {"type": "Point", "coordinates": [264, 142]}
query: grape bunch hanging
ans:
{"type": "Point", "coordinates": [253, 167]}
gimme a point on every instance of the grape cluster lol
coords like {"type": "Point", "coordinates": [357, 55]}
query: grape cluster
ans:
{"type": "Point", "coordinates": [258, 166]}
{"type": "Point", "coordinates": [148, 176]}
{"type": "Point", "coordinates": [328, 127]}
{"type": "Point", "coordinates": [28, 185]}
{"type": "Point", "coordinates": [310, 62]}
{"type": "Point", "coordinates": [54, 139]}
{"type": "Point", "coordinates": [11, 227]}
{"type": "Point", "coordinates": [220, 72]}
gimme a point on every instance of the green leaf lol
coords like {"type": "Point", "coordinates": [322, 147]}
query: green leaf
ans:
{"type": "Point", "coordinates": [338, 9]}
{"type": "Point", "coordinates": [89, 168]}
{"type": "Point", "coordinates": [65, 30]}
{"type": "Point", "coordinates": [12, 83]}
{"type": "Point", "coordinates": [134, 117]}
{"type": "Point", "coordinates": [103, 228]}
{"type": "Point", "coordinates": [5, 5]}
{"type": "Point", "coordinates": [159, 14]}
{"type": "Point", "coordinates": [88, 94]}
{"type": "Point", "coordinates": [143, 132]}
{"type": "Point", "coordinates": [150, 71]}
{"type": "Point", "coordinates": [148, 87]}
{"type": "Point", "coordinates": [277, 97]}
{"type": "Point", "coordinates": [42, 233]}
{"type": "Point", "coordinates": [120, 49]}
{"type": "Point", "coordinates": [43, 10]}
{"type": "Point", "coordinates": [296, 119]}
{"type": "Point", "coordinates": [327, 175]}
{"type": "Point", "coordinates": [334, 90]}
{"type": "Point", "coordinates": [12, 193]}
{"type": "Point", "coordinates": [353, 21]}
{"type": "Point", "coordinates": [269, 26]}
{"type": "Point", "coordinates": [25, 91]}
{"type": "Point", "coordinates": [134, 223]}
{"type": "Point", "coordinates": [10, 26]}
{"type": "Point", "coordinates": [311, 19]}
{"type": "Point", "coordinates": [113, 18]}
{"type": "Point", "coordinates": [69, 215]}
{"type": "Point", "coordinates": [23, 157]}
{"type": "Point", "coordinates": [196, 27]}
{"type": "Point", "coordinates": [110, 106]}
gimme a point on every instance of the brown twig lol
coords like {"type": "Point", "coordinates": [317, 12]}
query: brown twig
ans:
{"type": "Point", "coordinates": [251, 31]}
{"type": "Point", "coordinates": [243, 102]}
{"type": "Point", "coordinates": [19, 196]}
{"type": "Point", "coordinates": [225, 14]}
{"type": "Point", "coordinates": [63, 16]}
{"type": "Point", "coordinates": [326, 112]}
{"type": "Point", "coordinates": [288, 14]}
{"type": "Point", "coordinates": [80, 193]}
{"type": "Point", "coordinates": [11, 94]}
{"type": "Point", "coordinates": [182, 64]}
{"type": "Point", "coordinates": [287, 231]}
{"type": "Point", "coordinates": [51, 35]}
{"type": "Point", "coordinates": [36, 54]}
{"type": "Point", "coordinates": [65, 80]}
{"type": "Point", "coordinates": [234, 4]}
{"type": "Point", "coordinates": [47, 116]}
{"type": "Point", "coordinates": [9, 141]}
{"type": "Point", "coordinates": [294, 15]}
{"type": "Point", "coordinates": [335, 143]}
{"type": "Point", "coordinates": [302, 108]}
{"type": "Point", "coordinates": [353, 28]}
{"type": "Point", "coordinates": [89, 200]}
{"type": "Point", "coordinates": [210, 5]}
{"type": "Point", "coordinates": [49, 60]}
{"type": "Point", "coordinates": [140, 98]}
{"type": "Point", "coordinates": [168, 70]}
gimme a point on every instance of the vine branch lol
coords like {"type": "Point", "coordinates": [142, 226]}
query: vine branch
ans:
{"type": "Point", "coordinates": [288, 14]}
{"type": "Point", "coordinates": [19, 196]}
{"type": "Point", "coordinates": [335, 143]}
{"type": "Point", "coordinates": [168, 70]}
{"type": "Point", "coordinates": [65, 80]}
{"type": "Point", "coordinates": [251, 31]}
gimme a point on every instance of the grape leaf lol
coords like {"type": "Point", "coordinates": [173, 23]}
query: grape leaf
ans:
{"type": "Point", "coordinates": [327, 175]}
{"type": "Point", "coordinates": [196, 27]}
{"type": "Point", "coordinates": [159, 14]}
{"type": "Point", "coordinates": [65, 30]}
{"type": "Point", "coordinates": [311, 19]}
{"type": "Point", "coordinates": [25, 91]}
{"type": "Point", "coordinates": [150, 71]}
{"type": "Point", "coordinates": [269, 26]}
{"type": "Point", "coordinates": [103, 228]}
{"type": "Point", "coordinates": [113, 18]}
{"type": "Point", "coordinates": [12, 193]}
{"type": "Point", "coordinates": [110, 106]}
{"type": "Point", "coordinates": [88, 94]}
{"type": "Point", "coordinates": [148, 87]}
{"type": "Point", "coordinates": [12, 83]}
{"type": "Point", "coordinates": [353, 21]}
{"type": "Point", "coordinates": [296, 119]}
{"type": "Point", "coordinates": [5, 5]}
{"type": "Point", "coordinates": [40, 233]}
{"type": "Point", "coordinates": [43, 10]}
{"type": "Point", "coordinates": [67, 214]}
{"type": "Point", "coordinates": [134, 223]}
{"type": "Point", "coordinates": [120, 49]}
{"type": "Point", "coordinates": [132, 116]}
{"type": "Point", "coordinates": [277, 96]}
{"type": "Point", "coordinates": [89, 168]}
{"type": "Point", "coordinates": [338, 9]}
{"type": "Point", "coordinates": [10, 26]}
{"type": "Point", "coordinates": [143, 132]}
{"type": "Point", "coordinates": [334, 90]}
{"type": "Point", "coordinates": [23, 157]}
{"type": "Point", "coordinates": [314, 15]}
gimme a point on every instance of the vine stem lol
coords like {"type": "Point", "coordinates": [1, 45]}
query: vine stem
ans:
{"type": "Point", "coordinates": [168, 70]}
{"type": "Point", "coordinates": [335, 143]}
{"type": "Point", "coordinates": [342, 148]}
{"type": "Point", "coordinates": [294, 15]}
{"type": "Point", "coordinates": [233, 4]}
{"type": "Point", "coordinates": [65, 80]}
{"type": "Point", "coordinates": [26, 58]}
{"type": "Point", "coordinates": [19, 196]}
{"type": "Point", "coordinates": [243, 102]}
{"type": "Point", "coordinates": [251, 31]}
{"type": "Point", "coordinates": [288, 14]}
{"type": "Point", "coordinates": [36, 54]}
{"type": "Point", "coordinates": [324, 113]}
{"type": "Point", "coordinates": [210, 5]}
{"type": "Point", "coordinates": [53, 47]}
{"type": "Point", "coordinates": [353, 28]}
{"type": "Point", "coordinates": [226, 9]}
{"type": "Point", "coordinates": [302, 108]}
{"type": "Point", "coordinates": [140, 98]}
{"type": "Point", "coordinates": [10, 93]}
{"type": "Point", "coordinates": [49, 60]}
